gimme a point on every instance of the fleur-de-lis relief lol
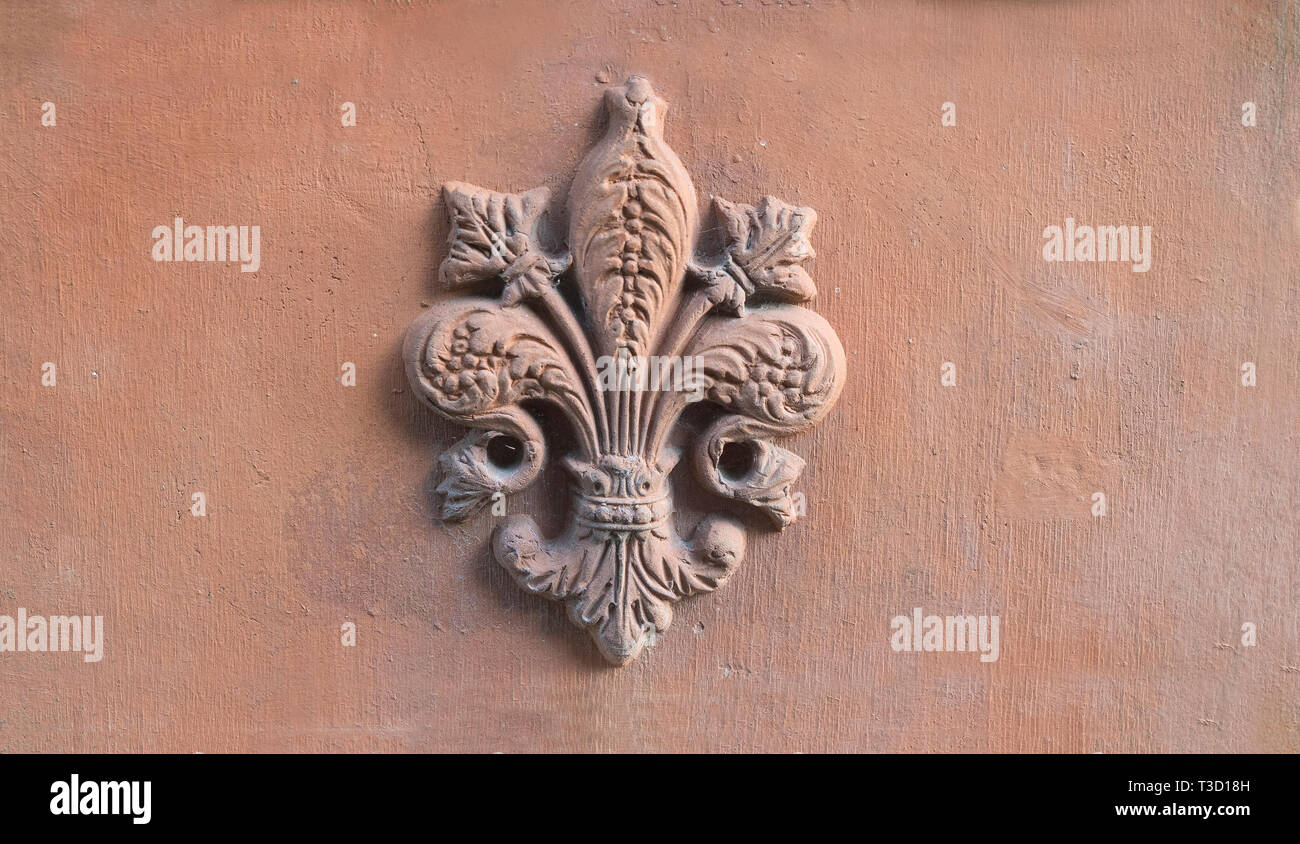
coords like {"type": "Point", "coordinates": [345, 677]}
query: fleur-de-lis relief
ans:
{"type": "Point", "coordinates": [630, 292]}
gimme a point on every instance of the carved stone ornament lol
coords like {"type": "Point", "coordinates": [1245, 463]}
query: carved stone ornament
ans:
{"type": "Point", "coordinates": [580, 331]}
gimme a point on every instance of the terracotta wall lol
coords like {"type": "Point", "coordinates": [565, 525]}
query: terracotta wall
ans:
{"type": "Point", "coordinates": [222, 633]}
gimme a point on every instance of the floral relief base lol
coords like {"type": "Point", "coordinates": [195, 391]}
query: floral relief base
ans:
{"type": "Point", "coordinates": [534, 324]}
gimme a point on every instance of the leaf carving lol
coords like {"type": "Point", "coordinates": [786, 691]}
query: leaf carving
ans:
{"type": "Point", "coordinates": [493, 235]}
{"type": "Point", "coordinates": [770, 243]}
{"type": "Point", "coordinates": [766, 483]}
{"type": "Point", "coordinates": [470, 476]}
{"type": "Point", "coordinates": [620, 586]}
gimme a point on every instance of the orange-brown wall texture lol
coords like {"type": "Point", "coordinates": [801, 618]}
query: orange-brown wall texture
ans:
{"type": "Point", "coordinates": [1119, 632]}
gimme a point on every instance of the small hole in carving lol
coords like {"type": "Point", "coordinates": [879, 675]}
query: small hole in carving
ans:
{"type": "Point", "coordinates": [736, 461]}
{"type": "Point", "coordinates": [505, 452]}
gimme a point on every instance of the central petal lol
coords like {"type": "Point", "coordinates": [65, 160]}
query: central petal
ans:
{"type": "Point", "coordinates": [633, 224]}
